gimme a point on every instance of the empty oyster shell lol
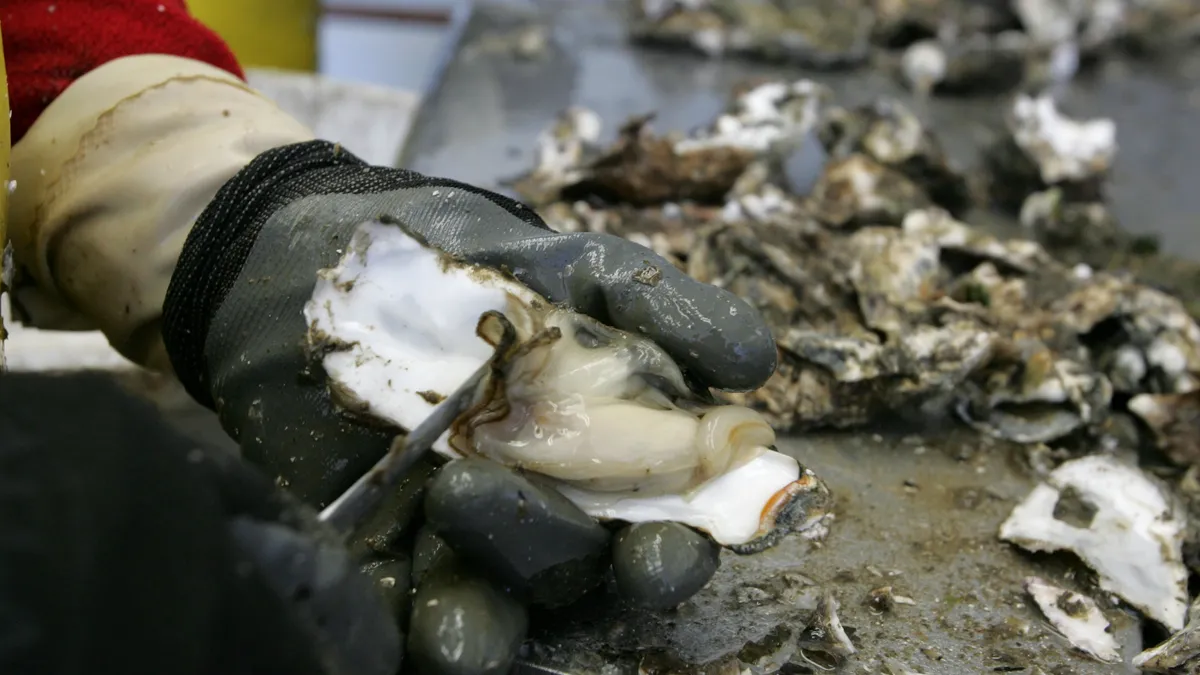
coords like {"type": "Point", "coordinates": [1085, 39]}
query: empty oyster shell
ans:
{"type": "Point", "coordinates": [1077, 617]}
{"type": "Point", "coordinates": [1029, 395]}
{"type": "Point", "coordinates": [603, 413]}
{"type": "Point", "coordinates": [1133, 539]}
{"type": "Point", "coordinates": [857, 190]}
{"type": "Point", "coordinates": [891, 134]}
{"type": "Point", "coordinates": [821, 34]}
{"type": "Point", "coordinates": [1046, 148]}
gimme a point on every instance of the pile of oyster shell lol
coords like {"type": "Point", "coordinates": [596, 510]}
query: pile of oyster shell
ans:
{"type": "Point", "coordinates": [885, 302]}
{"type": "Point", "coordinates": [945, 46]}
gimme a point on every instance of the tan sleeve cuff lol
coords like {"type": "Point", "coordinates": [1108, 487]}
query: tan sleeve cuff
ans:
{"type": "Point", "coordinates": [112, 177]}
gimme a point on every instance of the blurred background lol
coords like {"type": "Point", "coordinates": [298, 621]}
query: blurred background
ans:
{"type": "Point", "coordinates": [384, 42]}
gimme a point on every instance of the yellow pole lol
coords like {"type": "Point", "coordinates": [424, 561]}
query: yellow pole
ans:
{"type": "Point", "coordinates": [265, 33]}
{"type": "Point", "coordinates": [5, 142]}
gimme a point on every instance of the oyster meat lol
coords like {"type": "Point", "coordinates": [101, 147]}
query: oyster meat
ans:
{"type": "Point", "coordinates": [605, 414]}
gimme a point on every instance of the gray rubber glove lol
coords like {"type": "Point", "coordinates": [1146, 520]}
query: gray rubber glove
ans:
{"type": "Point", "coordinates": [234, 328]}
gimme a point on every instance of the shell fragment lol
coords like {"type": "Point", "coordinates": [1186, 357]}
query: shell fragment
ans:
{"type": "Point", "coordinates": [1134, 539]}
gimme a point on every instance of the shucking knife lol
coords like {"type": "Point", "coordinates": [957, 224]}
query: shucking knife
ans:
{"type": "Point", "coordinates": [362, 498]}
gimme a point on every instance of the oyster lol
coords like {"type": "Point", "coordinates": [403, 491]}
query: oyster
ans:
{"type": "Point", "coordinates": [763, 116]}
{"type": "Point", "coordinates": [950, 234]}
{"type": "Point", "coordinates": [1090, 25]}
{"type": "Point", "coordinates": [646, 169]}
{"type": "Point", "coordinates": [828, 34]}
{"type": "Point", "coordinates": [1030, 395]}
{"type": "Point", "coordinates": [1046, 148]}
{"type": "Point", "coordinates": [604, 414]}
{"type": "Point", "coordinates": [891, 134]}
{"type": "Point", "coordinates": [857, 190]}
{"type": "Point", "coordinates": [561, 153]}
{"type": "Point", "coordinates": [1144, 339]}
{"type": "Point", "coordinates": [1174, 422]}
{"type": "Point", "coordinates": [976, 64]}
{"type": "Point", "coordinates": [1086, 231]}
{"type": "Point", "coordinates": [1179, 654]}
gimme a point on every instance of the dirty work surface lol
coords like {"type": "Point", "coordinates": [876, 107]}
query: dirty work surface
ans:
{"type": "Point", "coordinates": [970, 613]}
{"type": "Point", "coordinates": [916, 513]}
{"type": "Point", "coordinates": [919, 517]}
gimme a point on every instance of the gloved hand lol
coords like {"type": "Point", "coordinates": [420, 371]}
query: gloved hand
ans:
{"type": "Point", "coordinates": [124, 548]}
{"type": "Point", "coordinates": [235, 329]}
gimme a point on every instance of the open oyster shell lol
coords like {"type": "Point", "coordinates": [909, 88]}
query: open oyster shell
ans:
{"type": "Point", "coordinates": [1046, 148]}
{"type": "Point", "coordinates": [605, 414]}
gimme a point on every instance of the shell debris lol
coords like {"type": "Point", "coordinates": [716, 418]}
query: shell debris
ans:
{"type": "Point", "coordinates": [885, 298]}
{"type": "Point", "coordinates": [1077, 617]}
{"type": "Point", "coordinates": [1181, 652]}
{"type": "Point", "coordinates": [960, 47]}
{"type": "Point", "coordinates": [1134, 540]}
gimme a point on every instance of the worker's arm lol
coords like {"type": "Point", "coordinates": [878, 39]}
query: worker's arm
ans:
{"type": "Point", "coordinates": [126, 548]}
{"type": "Point", "coordinates": [189, 218]}
{"type": "Point", "coordinates": [127, 117]}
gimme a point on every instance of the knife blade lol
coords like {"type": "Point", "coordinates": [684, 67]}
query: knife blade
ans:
{"type": "Point", "coordinates": [358, 502]}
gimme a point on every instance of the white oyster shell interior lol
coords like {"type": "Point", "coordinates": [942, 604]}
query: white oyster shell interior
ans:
{"type": "Point", "coordinates": [1084, 625]}
{"type": "Point", "coordinates": [1064, 149]}
{"type": "Point", "coordinates": [404, 321]}
{"type": "Point", "coordinates": [1134, 540]}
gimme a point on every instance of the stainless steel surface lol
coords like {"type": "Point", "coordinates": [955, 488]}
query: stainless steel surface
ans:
{"type": "Point", "coordinates": [364, 496]}
{"type": "Point", "coordinates": [460, 17]}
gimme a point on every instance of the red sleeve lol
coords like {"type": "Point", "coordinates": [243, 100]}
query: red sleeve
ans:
{"type": "Point", "coordinates": [50, 43]}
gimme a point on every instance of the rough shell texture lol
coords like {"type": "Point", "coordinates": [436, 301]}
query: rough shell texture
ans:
{"type": "Point", "coordinates": [879, 298]}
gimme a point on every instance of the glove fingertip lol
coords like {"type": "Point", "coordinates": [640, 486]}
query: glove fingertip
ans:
{"type": "Point", "coordinates": [660, 565]}
{"type": "Point", "coordinates": [751, 356]}
{"type": "Point", "coordinates": [463, 624]}
{"type": "Point", "coordinates": [715, 334]}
